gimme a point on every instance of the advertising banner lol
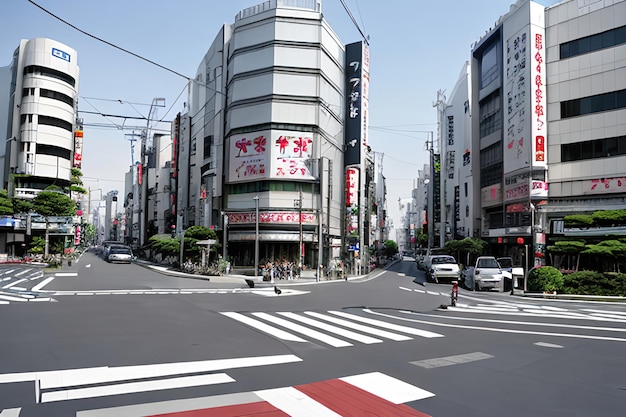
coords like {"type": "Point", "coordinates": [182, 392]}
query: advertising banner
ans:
{"type": "Point", "coordinates": [270, 154]}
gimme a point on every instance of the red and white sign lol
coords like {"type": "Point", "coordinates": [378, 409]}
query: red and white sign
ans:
{"type": "Point", "coordinates": [272, 154]}
{"type": "Point", "coordinates": [288, 217]}
{"type": "Point", "coordinates": [538, 78]}
{"type": "Point", "coordinates": [605, 185]}
{"type": "Point", "coordinates": [352, 187]}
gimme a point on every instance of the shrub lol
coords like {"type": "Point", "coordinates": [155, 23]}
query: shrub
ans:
{"type": "Point", "coordinates": [545, 279]}
{"type": "Point", "coordinates": [595, 283]}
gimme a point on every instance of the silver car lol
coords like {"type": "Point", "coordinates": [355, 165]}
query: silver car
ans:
{"type": "Point", "coordinates": [487, 273]}
{"type": "Point", "coordinates": [120, 254]}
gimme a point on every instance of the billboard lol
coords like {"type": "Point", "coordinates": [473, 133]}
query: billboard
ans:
{"type": "Point", "coordinates": [270, 154]}
{"type": "Point", "coordinates": [352, 201]}
{"type": "Point", "coordinates": [357, 90]}
{"type": "Point", "coordinates": [517, 102]}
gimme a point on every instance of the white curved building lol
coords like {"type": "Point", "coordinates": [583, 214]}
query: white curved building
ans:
{"type": "Point", "coordinates": [41, 126]}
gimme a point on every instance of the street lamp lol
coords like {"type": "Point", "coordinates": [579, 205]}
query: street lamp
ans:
{"type": "Point", "coordinates": [256, 238]}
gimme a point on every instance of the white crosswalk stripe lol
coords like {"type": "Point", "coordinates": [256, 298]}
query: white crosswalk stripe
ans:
{"type": "Point", "coordinates": [331, 328]}
{"type": "Point", "coordinates": [543, 311]}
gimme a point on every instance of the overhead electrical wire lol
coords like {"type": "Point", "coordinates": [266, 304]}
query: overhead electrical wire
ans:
{"type": "Point", "coordinates": [109, 43]}
{"type": "Point", "coordinates": [365, 37]}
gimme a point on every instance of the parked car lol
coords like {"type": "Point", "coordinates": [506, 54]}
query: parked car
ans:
{"type": "Point", "coordinates": [119, 254]}
{"type": "Point", "coordinates": [488, 274]}
{"type": "Point", "coordinates": [442, 268]}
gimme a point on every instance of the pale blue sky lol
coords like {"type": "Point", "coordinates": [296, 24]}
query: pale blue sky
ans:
{"type": "Point", "coordinates": [417, 47]}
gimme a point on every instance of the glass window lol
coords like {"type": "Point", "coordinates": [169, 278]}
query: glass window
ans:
{"type": "Point", "coordinates": [611, 146]}
{"type": "Point", "coordinates": [586, 150]}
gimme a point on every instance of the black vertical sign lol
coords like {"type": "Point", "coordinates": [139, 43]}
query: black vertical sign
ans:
{"type": "Point", "coordinates": [352, 126]}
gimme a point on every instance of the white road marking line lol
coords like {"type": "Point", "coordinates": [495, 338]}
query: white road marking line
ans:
{"type": "Point", "coordinates": [6, 279]}
{"type": "Point", "coordinates": [13, 283]}
{"type": "Point", "coordinates": [549, 345]}
{"type": "Point", "coordinates": [389, 388]}
{"type": "Point", "coordinates": [259, 325]}
{"type": "Point", "coordinates": [452, 360]}
{"type": "Point", "coordinates": [591, 310]}
{"type": "Point", "coordinates": [43, 284]}
{"type": "Point", "coordinates": [41, 299]}
{"type": "Point", "coordinates": [8, 271]}
{"type": "Point", "coordinates": [610, 316]}
{"type": "Point", "coordinates": [386, 325]}
{"type": "Point", "coordinates": [360, 327]}
{"type": "Point", "coordinates": [22, 272]}
{"type": "Point", "coordinates": [295, 403]}
{"type": "Point", "coordinates": [133, 387]}
{"type": "Point", "coordinates": [401, 274]}
{"type": "Point", "coordinates": [104, 374]}
{"type": "Point", "coordinates": [405, 289]}
{"type": "Point", "coordinates": [10, 412]}
{"type": "Point", "coordinates": [496, 330]}
{"type": "Point", "coordinates": [322, 337]}
{"type": "Point", "coordinates": [18, 288]}
{"type": "Point", "coordinates": [66, 274]}
{"type": "Point", "coordinates": [12, 298]}
{"type": "Point", "coordinates": [538, 313]}
{"type": "Point", "coordinates": [4, 302]}
{"type": "Point", "coordinates": [333, 329]}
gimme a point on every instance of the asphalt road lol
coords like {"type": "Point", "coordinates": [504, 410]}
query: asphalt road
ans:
{"type": "Point", "coordinates": [123, 340]}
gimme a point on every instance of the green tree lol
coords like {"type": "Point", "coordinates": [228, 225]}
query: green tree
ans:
{"type": "Point", "coordinates": [50, 203]}
{"type": "Point", "coordinates": [609, 218]}
{"type": "Point", "coordinates": [88, 232]}
{"type": "Point", "coordinates": [578, 220]}
{"type": "Point", "coordinates": [76, 182]}
{"type": "Point", "coordinates": [6, 205]}
{"type": "Point", "coordinates": [390, 248]}
{"type": "Point", "coordinates": [613, 251]}
{"type": "Point", "coordinates": [465, 249]}
{"type": "Point", "coordinates": [22, 206]}
{"type": "Point", "coordinates": [567, 249]}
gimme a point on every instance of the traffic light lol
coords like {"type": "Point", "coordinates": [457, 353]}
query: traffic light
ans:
{"type": "Point", "coordinates": [173, 230]}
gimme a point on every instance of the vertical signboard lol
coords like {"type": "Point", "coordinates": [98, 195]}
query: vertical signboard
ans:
{"type": "Point", "coordinates": [352, 201]}
{"type": "Point", "coordinates": [353, 127]}
{"type": "Point", "coordinates": [78, 144]}
{"type": "Point", "coordinates": [538, 74]}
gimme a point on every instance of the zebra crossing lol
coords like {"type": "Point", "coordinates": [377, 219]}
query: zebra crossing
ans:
{"type": "Point", "coordinates": [333, 328]}
{"type": "Point", "coordinates": [19, 285]}
{"type": "Point", "coordinates": [540, 310]}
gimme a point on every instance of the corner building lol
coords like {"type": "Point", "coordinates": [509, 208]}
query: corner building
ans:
{"type": "Point", "coordinates": [265, 130]}
{"type": "Point", "coordinates": [44, 138]}
{"type": "Point", "coordinates": [586, 64]}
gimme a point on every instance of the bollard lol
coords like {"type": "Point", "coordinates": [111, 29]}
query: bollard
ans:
{"type": "Point", "coordinates": [454, 294]}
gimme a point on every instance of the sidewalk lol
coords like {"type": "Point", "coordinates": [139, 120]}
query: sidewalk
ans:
{"type": "Point", "coordinates": [306, 279]}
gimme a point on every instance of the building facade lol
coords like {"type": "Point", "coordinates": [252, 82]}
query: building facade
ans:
{"type": "Point", "coordinates": [586, 97]}
{"type": "Point", "coordinates": [38, 113]}
{"type": "Point", "coordinates": [266, 130]}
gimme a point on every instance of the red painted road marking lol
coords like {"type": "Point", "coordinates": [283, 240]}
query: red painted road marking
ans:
{"type": "Point", "coordinates": [347, 400]}
{"type": "Point", "coordinates": [336, 397]}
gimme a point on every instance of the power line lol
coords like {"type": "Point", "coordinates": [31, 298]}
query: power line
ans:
{"type": "Point", "coordinates": [345, 6]}
{"type": "Point", "coordinates": [109, 43]}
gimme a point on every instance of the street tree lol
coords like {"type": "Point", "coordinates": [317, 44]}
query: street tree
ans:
{"type": "Point", "coordinates": [51, 203]}
{"type": "Point", "coordinates": [6, 205]}
{"type": "Point", "coordinates": [390, 248]}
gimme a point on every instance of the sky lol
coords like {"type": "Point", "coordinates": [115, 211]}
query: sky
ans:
{"type": "Point", "coordinates": [417, 47]}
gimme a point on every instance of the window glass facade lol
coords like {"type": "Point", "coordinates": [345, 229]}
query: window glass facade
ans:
{"type": "Point", "coordinates": [49, 72]}
{"type": "Point", "coordinates": [593, 149]}
{"type": "Point", "coordinates": [490, 114]}
{"type": "Point", "coordinates": [593, 43]}
{"type": "Point", "coordinates": [594, 104]}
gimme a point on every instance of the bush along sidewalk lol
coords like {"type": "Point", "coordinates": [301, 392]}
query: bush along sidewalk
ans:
{"type": "Point", "coordinates": [547, 279]}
